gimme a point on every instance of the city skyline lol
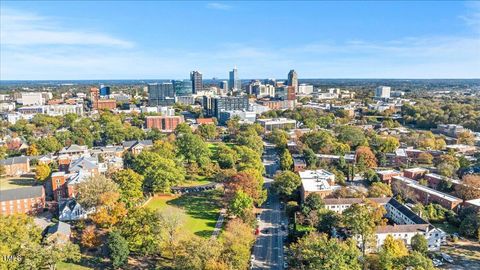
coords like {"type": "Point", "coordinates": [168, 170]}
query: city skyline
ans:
{"type": "Point", "coordinates": [81, 41]}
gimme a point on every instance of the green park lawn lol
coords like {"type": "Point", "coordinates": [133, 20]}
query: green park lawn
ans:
{"type": "Point", "coordinates": [201, 209]}
{"type": "Point", "coordinates": [16, 182]}
{"type": "Point", "coordinates": [201, 180]}
{"type": "Point", "coordinates": [446, 227]}
{"type": "Point", "coordinates": [71, 266]}
{"type": "Point", "coordinates": [214, 147]}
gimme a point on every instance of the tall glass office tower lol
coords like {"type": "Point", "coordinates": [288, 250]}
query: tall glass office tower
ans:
{"type": "Point", "coordinates": [183, 87]}
{"type": "Point", "coordinates": [234, 83]}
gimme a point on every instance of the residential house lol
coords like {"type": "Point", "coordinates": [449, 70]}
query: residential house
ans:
{"type": "Point", "coordinates": [299, 163]}
{"type": "Point", "coordinates": [73, 150]}
{"type": "Point", "coordinates": [70, 210]}
{"type": "Point", "coordinates": [136, 147]}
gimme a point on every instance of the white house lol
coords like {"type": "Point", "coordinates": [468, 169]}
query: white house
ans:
{"type": "Point", "coordinates": [407, 224]}
{"type": "Point", "coordinates": [70, 210]}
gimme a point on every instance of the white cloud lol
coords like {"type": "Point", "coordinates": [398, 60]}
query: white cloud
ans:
{"type": "Point", "coordinates": [27, 29]}
{"type": "Point", "coordinates": [219, 6]}
{"type": "Point", "coordinates": [35, 47]}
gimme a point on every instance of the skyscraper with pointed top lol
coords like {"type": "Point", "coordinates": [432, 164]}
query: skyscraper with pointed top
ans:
{"type": "Point", "coordinates": [234, 83]}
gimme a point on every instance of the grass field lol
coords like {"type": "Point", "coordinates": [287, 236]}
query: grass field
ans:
{"type": "Point", "coordinates": [214, 147]}
{"type": "Point", "coordinates": [71, 266]}
{"type": "Point", "coordinates": [202, 210]}
{"type": "Point", "coordinates": [16, 182]}
{"type": "Point", "coordinates": [201, 180]}
{"type": "Point", "coordinates": [446, 227]}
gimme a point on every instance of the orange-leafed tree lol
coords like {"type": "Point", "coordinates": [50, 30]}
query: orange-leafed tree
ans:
{"type": "Point", "coordinates": [248, 183]}
{"type": "Point", "coordinates": [110, 211]}
{"type": "Point", "coordinates": [90, 237]}
{"type": "Point", "coordinates": [365, 155]}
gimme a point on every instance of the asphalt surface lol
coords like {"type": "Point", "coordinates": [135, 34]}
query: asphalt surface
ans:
{"type": "Point", "coordinates": [268, 250]}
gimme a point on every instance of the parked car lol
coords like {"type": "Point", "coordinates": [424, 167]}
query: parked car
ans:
{"type": "Point", "coordinates": [447, 257]}
{"type": "Point", "coordinates": [437, 262]}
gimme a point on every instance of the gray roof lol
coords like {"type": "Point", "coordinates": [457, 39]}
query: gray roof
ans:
{"type": "Point", "coordinates": [14, 160]}
{"type": "Point", "coordinates": [21, 193]}
{"type": "Point", "coordinates": [407, 212]}
{"type": "Point", "coordinates": [350, 201]}
{"type": "Point", "coordinates": [70, 203]}
{"type": "Point", "coordinates": [130, 144]}
{"type": "Point", "coordinates": [82, 163]}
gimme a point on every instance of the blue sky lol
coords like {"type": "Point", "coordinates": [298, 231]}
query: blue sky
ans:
{"type": "Point", "coordinates": [148, 40]}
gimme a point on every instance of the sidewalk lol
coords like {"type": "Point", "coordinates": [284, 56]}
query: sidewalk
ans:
{"type": "Point", "coordinates": [219, 224]}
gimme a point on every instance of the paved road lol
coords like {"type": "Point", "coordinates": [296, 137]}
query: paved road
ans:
{"type": "Point", "coordinates": [268, 250]}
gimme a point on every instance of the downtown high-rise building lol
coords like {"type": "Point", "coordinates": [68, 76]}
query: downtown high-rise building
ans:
{"type": "Point", "coordinates": [293, 79]}
{"type": "Point", "coordinates": [234, 83]}
{"type": "Point", "coordinates": [197, 82]}
{"type": "Point", "coordinates": [182, 87]}
{"type": "Point", "coordinates": [161, 94]}
{"type": "Point", "coordinates": [382, 92]}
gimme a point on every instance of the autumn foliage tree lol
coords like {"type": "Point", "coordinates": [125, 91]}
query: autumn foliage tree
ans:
{"type": "Point", "coordinates": [365, 156]}
{"type": "Point", "coordinates": [379, 189]}
{"type": "Point", "coordinates": [470, 188]}
{"type": "Point", "coordinates": [247, 183]}
{"type": "Point", "coordinates": [42, 172]}
{"type": "Point", "coordinates": [110, 210]}
{"type": "Point", "coordinates": [90, 191]}
{"type": "Point", "coordinates": [90, 237]}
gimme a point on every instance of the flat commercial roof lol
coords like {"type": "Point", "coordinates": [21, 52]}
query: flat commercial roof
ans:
{"type": "Point", "coordinates": [414, 184]}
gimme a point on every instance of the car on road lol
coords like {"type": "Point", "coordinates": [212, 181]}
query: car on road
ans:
{"type": "Point", "coordinates": [447, 257]}
{"type": "Point", "coordinates": [285, 265]}
{"type": "Point", "coordinates": [437, 262]}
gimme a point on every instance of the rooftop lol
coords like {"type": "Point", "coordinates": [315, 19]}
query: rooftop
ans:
{"type": "Point", "coordinates": [386, 172]}
{"type": "Point", "coordinates": [350, 201]}
{"type": "Point", "coordinates": [417, 170]}
{"type": "Point", "coordinates": [21, 193]}
{"type": "Point", "coordinates": [414, 184]}
{"type": "Point", "coordinates": [475, 202]}
{"type": "Point", "coordinates": [14, 160]}
{"type": "Point", "coordinates": [402, 228]}
{"type": "Point", "coordinates": [316, 180]}
{"type": "Point", "coordinates": [407, 212]}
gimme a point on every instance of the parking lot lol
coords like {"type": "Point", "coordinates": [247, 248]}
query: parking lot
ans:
{"type": "Point", "coordinates": [465, 255]}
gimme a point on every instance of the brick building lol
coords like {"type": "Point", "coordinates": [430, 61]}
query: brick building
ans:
{"type": "Point", "coordinates": [317, 181]}
{"type": "Point", "coordinates": [426, 195]}
{"type": "Point", "coordinates": [15, 166]}
{"type": "Point", "coordinates": [415, 173]}
{"type": "Point", "coordinates": [29, 200]}
{"type": "Point", "coordinates": [105, 104]}
{"type": "Point", "coordinates": [387, 175]}
{"type": "Point", "coordinates": [163, 123]}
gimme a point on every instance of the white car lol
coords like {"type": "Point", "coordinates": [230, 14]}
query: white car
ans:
{"type": "Point", "coordinates": [437, 262]}
{"type": "Point", "coordinates": [447, 257]}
